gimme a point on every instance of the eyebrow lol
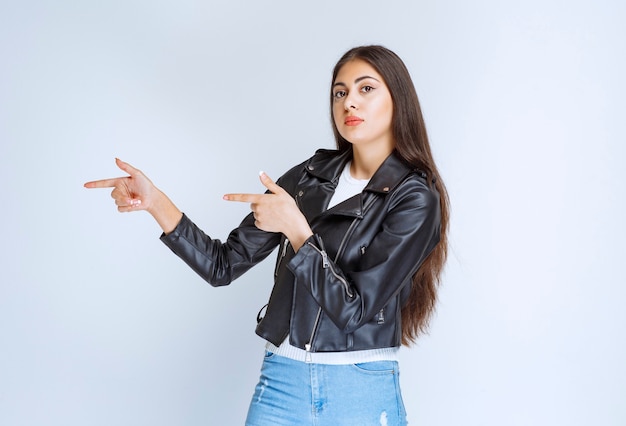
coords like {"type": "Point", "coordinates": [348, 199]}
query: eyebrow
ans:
{"type": "Point", "coordinates": [339, 83]}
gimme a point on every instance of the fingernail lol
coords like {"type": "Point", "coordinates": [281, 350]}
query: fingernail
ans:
{"type": "Point", "coordinates": [261, 173]}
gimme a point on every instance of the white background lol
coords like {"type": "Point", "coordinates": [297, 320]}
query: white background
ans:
{"type": "Point", "coordinates": [524, 101]}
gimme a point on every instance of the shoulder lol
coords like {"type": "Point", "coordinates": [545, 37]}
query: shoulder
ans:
{"type": "Point", "coordinates": [416, 192]}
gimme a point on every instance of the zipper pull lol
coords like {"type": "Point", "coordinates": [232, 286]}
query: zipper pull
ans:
{"type": "Point", "coordinates": [285, 244]}
{"type": "Point", "coordinates": [325, 262]}
{"type": "Point", "coordinates": [381, 316]}
{"type": "Point", "coordinates": [307, 357]}
{"type": "Point", "coordinates": [322, 252]}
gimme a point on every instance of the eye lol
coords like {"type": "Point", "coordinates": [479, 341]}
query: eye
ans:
{"type": "Point", "coordinates": [366, 89]}
{"type": "Point", "coordinates": [339, 94]}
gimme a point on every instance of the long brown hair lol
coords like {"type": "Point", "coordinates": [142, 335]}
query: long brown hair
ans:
{"type": "Point", "coordinates": [411, 143]}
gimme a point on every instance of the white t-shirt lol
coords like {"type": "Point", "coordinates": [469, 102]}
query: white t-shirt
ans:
{"type": "Point", "coordinates": [347, 186]}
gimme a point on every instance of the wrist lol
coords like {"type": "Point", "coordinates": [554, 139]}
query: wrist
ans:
{"type": "Point", "coordinates": [299, 236]}
{"type": "Point", "coordinates": [164, 212]}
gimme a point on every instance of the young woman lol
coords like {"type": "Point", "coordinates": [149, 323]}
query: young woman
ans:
{"type": "Point", "coordinates": [361, 233]}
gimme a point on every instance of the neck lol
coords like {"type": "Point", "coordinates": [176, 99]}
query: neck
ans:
{"type": "Point", "coordinates": [365, 162]}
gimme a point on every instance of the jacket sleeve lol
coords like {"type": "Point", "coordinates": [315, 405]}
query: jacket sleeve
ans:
{"type": "Point", "coordinates": [219, 263]}
{"type": "Point", "coordinates": [216, 262]}
{"type": "Point", "coordinates": [408, 234]}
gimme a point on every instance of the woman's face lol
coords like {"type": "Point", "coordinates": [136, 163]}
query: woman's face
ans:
{"type": "Point", "coordinates": [362, 106]}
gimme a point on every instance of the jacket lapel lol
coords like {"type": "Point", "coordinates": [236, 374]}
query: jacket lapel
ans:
{"type": "Point", "coordinates": [326, 166]}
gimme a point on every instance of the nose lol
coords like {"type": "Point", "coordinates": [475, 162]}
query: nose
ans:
{"type": "Point", "coordinates": [349, 103]}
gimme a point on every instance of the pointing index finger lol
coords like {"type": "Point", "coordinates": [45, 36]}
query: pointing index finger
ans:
{"type": "Point", "coordinates": [103, 183]}
{"type": "Point", "coordinates": [113, 182]}
{"type": "Point", "coordinates": [245, 198]}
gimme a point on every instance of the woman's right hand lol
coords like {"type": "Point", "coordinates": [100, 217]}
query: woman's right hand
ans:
{"type": "Point", "coordinates": [137, 192]}
{"type": "Point", "coordinates": [134, 192]}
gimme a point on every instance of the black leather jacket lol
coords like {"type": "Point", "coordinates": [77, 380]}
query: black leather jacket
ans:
{"type": "Point", "coordinates": [345, 287]}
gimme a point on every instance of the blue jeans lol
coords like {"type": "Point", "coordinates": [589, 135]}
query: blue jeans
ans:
{"type": "Point", "coordinates": [294, 393]}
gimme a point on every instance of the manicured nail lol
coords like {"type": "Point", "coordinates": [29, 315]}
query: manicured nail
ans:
{"type": "Point", "coordinates": [261, 173]}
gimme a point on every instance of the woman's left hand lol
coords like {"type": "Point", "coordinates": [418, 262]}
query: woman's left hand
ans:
{"type": "Point", "coordinates": [276, 212]}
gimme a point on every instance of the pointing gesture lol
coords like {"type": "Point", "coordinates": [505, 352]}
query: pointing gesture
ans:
{"type": "Point", "coordinates": [130, 192]}
{"type": "Point", "coordinates": [276, 212]}
{"type": "Point", "coordinates": [137, 192]}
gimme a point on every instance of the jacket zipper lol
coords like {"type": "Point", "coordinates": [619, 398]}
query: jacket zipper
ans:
{"type": "Point", "coordinates": [282, 256]}
{"type": "Point", "coordinates": [350, 229]}
{"type": "Point", "coordinates": [298, 196]}
{"type": "Point", "coordinates": [345, 239]}
{"type": "Point", "coordinates": [307, 346]}
{"type": "Point", "coordinates": [326, 264]}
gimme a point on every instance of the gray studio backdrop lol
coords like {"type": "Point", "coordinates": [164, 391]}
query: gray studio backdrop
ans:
{"type": "Point", "coordinates": [101, 325]}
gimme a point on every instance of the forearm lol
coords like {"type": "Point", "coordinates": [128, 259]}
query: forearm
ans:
{"type": "Point", "coordinates": [298, 234]}
{"type": "Point", "coordinates": [216, 262]}
{"type": "Point", "coordinates": [165, 212]}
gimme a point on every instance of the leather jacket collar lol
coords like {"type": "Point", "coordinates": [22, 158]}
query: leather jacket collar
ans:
{"type": "Point", "coordinates": [389, 175]}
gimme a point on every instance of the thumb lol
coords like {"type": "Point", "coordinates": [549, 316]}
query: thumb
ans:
{"type": "Point", "coordinates": [126, 167]}
{"type": "Point", "coordinates": [269, 183]}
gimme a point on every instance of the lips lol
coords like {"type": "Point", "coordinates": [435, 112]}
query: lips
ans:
{"type": "Point", "coordinates": [352, 121]}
